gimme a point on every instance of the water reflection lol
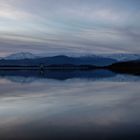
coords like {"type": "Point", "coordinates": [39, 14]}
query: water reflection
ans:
{"type": "Point", "coordinates": [65, 108]}
{"type": "Point", "coordinates": [58, 75]}
{"type": "Point", "coordinates": [28, 76]}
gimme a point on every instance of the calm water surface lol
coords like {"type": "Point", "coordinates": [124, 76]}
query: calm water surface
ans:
{"type": "Point", "coordinates": [100, 107]}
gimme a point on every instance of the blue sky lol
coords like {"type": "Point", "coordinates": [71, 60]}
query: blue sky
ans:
{"type": "Point", "coordinates": [69, 26]}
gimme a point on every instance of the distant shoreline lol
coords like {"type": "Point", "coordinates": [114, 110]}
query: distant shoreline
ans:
{"type": "Point", "coordinates": [130, 67]}
{"type": "Point", "coordinates": [53, 67]}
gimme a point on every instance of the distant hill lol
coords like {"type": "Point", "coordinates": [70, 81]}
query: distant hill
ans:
{"type": "Point", "coordinates": [130, 67]}
{"type": "Point", "coordinates": [31, 60]}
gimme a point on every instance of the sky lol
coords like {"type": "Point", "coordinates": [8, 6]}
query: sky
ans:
{"type": "Point", "coordinates": [69, 26]}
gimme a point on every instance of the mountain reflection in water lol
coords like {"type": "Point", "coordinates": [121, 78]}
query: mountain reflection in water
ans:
{"type": "Point", "coordinates": [57, 75]}
{"type": "Point", "coordinates": [69, 105]}
{"type": "Point", "coordinates": [27, 76]}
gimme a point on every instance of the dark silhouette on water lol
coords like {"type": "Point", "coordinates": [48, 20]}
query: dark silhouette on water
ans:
{"type": "Point", "coordinates": [129, 67]}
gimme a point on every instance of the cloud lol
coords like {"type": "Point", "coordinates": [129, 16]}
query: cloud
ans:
{"type": "Point", "coordinates": [9, 11]}
{"type": "Point", "coordinates": [88, 26]}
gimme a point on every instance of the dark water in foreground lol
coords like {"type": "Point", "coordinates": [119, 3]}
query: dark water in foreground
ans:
{"type": "Point", "coordinates": [69, 105]}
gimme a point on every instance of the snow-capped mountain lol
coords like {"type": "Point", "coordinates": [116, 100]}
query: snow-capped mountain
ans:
{"type": "Point", "coordinates": [118, 57]}
{"type": "Point", "coordinates": [22, 55]}
{"type": "Point", "coordinates": [123, 57]}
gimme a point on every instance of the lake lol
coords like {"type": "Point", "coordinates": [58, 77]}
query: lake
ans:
{"type": "Point", "coordinates": [69, 105]}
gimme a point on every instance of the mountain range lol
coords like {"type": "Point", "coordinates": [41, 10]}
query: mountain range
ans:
{"type": "Point", "coordinates": [29, 59]}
